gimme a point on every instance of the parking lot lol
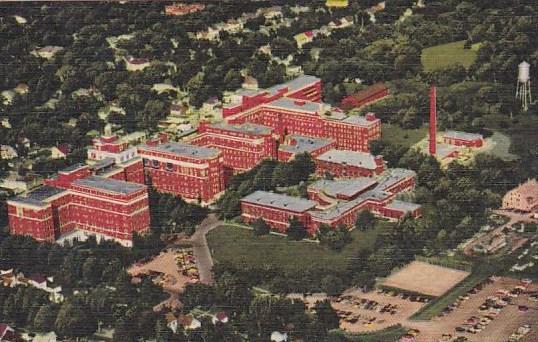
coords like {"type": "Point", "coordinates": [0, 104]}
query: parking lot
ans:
{"type": "Point", "coordinates": [475, 315]}
{"type": "Point", "coordinates": [362, 312]}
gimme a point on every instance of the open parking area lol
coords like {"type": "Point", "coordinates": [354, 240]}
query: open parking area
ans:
{"type": "Point", "coordinates": [474, 315]}
{"type": "Point", "coordinates": [361, 312]}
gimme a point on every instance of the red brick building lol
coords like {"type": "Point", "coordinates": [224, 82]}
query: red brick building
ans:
{"type": "Point", "coordinates": [333, 202]}
{"type": "Point", "coordinates": [295, 108]}
{"type": "Point", "coordinates": [243, 146]}
{"type": "Point", "coordinates": [190, 171]}
{"type": "Point", "coordinates": [297, 144]}
{"type": "Point", "coordinates": [76, 199]}
{"type": "Point", "coordinates": [366, 96]}
{"type": "Point", "coordinates": [116, 159]}
{"type": "Point", "coordinates": [457, 138]}
{"type": "Point", "coordinates": [275, 209]}
{"type": "Point", "coordinates": [349, 164]}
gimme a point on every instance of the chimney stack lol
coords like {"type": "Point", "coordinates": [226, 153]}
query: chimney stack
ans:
{"type": "Point", "coordinates": [433, 120]}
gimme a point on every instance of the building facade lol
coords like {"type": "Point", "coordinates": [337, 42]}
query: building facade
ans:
{"type": "Point", "coordinates": [242, 146]}
{"type": "Point", "coordinates": [295, 108]}
{"type": "Point", "coordinates": [457, 138]}
{"type": "Point", "coordinates": [334, 202]}
{"type": "Point", "coordinates": [190, 171]}
{"type": "Point", "coordinates": [297, 144]}
{"type": "Point", "coordinates": [349, 164]}
{"type": "Point", "coordinates": [77, 199]}
{"type": "Point", "coordinates": [369, 95]}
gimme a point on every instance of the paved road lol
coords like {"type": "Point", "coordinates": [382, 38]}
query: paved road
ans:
{"type": "Point", "coordinates": [204, 261]}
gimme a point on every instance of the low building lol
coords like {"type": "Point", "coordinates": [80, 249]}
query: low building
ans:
{"type": "Point", "coordinates": [186, 170]}
{"type": "Point", "coordinates": [8, 334]}
{"type": "Point", "coordinates": [369, 95]}
{"type": "Point", "coordinates": [7, 152]}
{"type": "Point", "coordinates": [523, 198]}
{"type": "Point", "coordinates": [275, 209]}
{"type": "Point", "coordinates": [334, 202]}
{"type": "Point", "coordinates": [349, 164]}
{"type": "Point", "coordinates": [297, 144]}
{"type": "Point", "coordinates": [457, 138]}
{"type": "Point", "coordinates": [181, 9]}
{"type": "Point", "coordinates": [303, 38]}
{"type": "Point", "coordinates": [47, 52]}
{"type": "Point", "coordinates": [136, 64]}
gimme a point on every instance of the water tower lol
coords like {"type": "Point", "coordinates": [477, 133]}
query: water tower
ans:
{"type": "Point", "coordinates": [523, 91]}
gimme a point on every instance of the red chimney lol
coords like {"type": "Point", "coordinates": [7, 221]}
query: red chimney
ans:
{"type": "Point", "coordinates": [433, 120]}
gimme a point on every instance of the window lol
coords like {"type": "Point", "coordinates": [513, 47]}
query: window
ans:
{"type": "Point", "coordinates": [155, 163]}
{"type": "Point", "coordinates": [169, 167]}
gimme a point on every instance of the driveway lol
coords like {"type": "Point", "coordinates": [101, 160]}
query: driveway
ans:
{"type": "Point", "coordinates": [204, 261]}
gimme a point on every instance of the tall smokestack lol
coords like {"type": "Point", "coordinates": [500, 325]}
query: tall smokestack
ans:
{"type": "Point", "coordinates": [433, 120]}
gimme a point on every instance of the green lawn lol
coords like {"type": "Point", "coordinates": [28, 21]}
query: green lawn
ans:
{"type": "Point", "coordinates": [445, 55]}
{"type": "Point", "coordinates": [240, 247]}
{"type": "Point", "coordinates": [397, 135]}
{"type": "Point", "coordinates": [386, 335]}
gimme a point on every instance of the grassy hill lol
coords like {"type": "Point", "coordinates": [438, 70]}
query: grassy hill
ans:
{"type": "Point", "coordinates": [241, 247]}
{"type": "Point", "coordinates": [445, 55]}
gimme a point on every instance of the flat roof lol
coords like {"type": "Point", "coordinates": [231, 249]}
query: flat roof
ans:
{"type": "Point", "coordinates": [405, 207]}
{"type": "Point", "coordinates": [304, 144]}
{"type": "Point", "coordinates": [31, 201]}
{"type": "Point", "coordinates": [100, 164]}
{"type": "Point", "coordinates": [297, 105]}
{"type": "Point", "coordinates": [462, 135]}
{"type": "Point", "coordinates": [393, 176]}
{"type": "Point", "coordinates": [248, 128]}
{"type": "Point", "coordinates": [279, 201]}
{"type": "Point", "coordinates": [295, 84]}
{"type": "Point", "coordinates": [359, 120]}
{"type": "Point", "coordinates": [342, 207]}
{"type": "Point", "coordinates": [183, 149]}
{"type": "Point", "coordinates": [44, 192]}
{"type": "Point", "coordinates": [72, 168]}
{"type": "Point", "coordinates": [444, 150]}
{"type": "Point", "coordinates": [353, 158]}
{"type": "Point", "coordinates": [111, 185]}
{"type": "Point", "coordinates": [345, 187]}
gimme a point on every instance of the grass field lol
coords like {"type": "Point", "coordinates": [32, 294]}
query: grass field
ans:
{"type": "Point", "coordinates": [445, 55]}
{"type": "Point", "coordinates": [397, 135]}
{"type": "Point", "coordinates": [242, 248]}
{"type": "Point", "coordinates": [385, 335]}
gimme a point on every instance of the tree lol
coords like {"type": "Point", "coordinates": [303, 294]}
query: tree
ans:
{"type": "Point", "coordinates": [45, 317]}
{"type": "Point", "coordinates": [75, 320]}
{"type": "Point", "coordinates": [296, 230]}
{"type": "Point", "coordinates": [326, 315]}
{"type": "Point", "coordinates": [365, 220]}
{"type": "Point", "coordinates": [332, 285]}
{"type": "Point", "coordinates": [260, 227]}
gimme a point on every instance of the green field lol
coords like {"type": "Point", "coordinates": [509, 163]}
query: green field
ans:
{"type": "Point", "coordinates": [242, 248]}
{"type": "Point", "coordinates": [445, 55]}
{"type": "Point", "coordinates": [386, 335]}
{"type": "Point", "coordinates": [407, 137]}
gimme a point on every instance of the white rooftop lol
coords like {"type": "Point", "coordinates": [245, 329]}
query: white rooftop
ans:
{"type": "Point", "coordinates": [353, 158]}
{"type": "Point", "coordinates": [183, 149]}
{"type": "Point", "coordinates": [265, 198]}
{"type": "Point", "coordinates": [345, 187]}
{"type": "Point", "coordinates": [462, 135]}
